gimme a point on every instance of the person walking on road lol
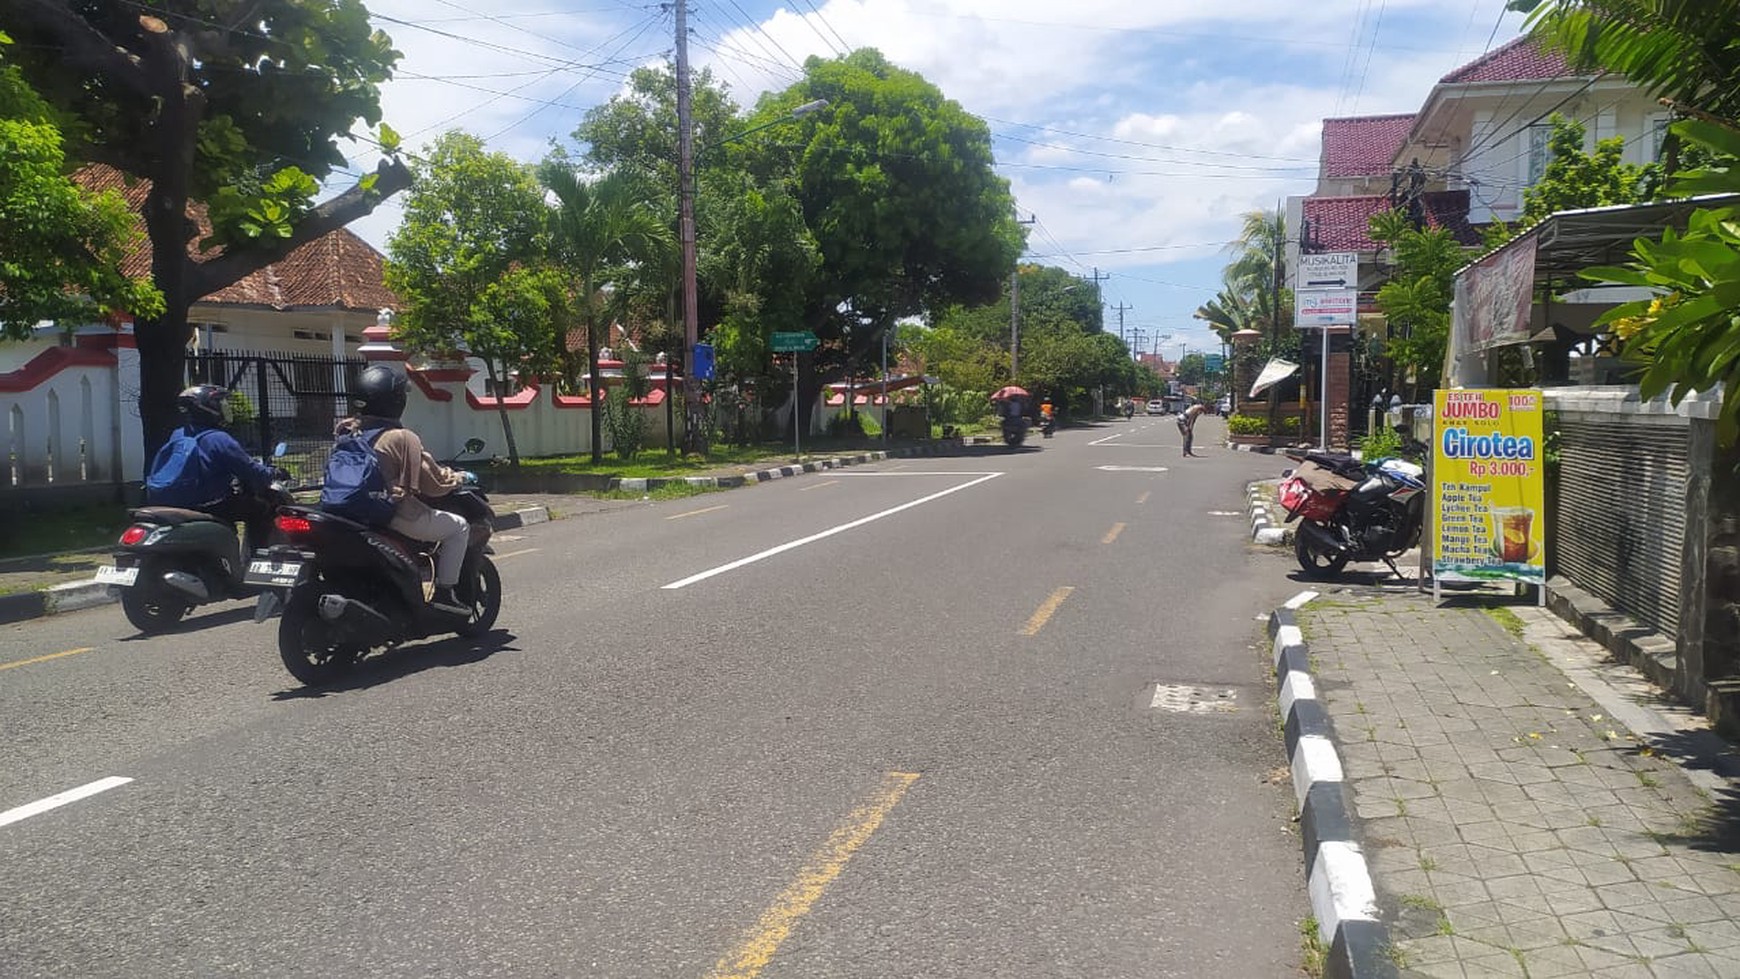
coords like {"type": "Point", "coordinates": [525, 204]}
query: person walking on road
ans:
{"type": "Point", "coordinates": [1187, 426]}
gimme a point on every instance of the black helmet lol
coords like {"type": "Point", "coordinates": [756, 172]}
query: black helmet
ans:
{"type": "Point", "coordinates": [380, 392]}
{"type": "Point", "coordinates": [205, 405]}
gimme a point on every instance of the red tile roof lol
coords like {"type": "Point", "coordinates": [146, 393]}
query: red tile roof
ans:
{"type": "Point", "coordinates": [1343, 223]}
{"type": "Point", "coordinates": [1363, 146]}
{"type": "Point", "coordinates": [338, 270]}
{"type": "Point", "coordinates": [1520, 60]}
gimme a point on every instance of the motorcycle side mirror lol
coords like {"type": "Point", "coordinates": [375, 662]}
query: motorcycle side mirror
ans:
{"type": "Point", "coordinates": [279, 450]}
{"type": "Point", "coordinates": [473, 446]}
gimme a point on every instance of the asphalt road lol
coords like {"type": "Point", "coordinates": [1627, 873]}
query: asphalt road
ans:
{"type": "Point", "coordinates": [894, 720]}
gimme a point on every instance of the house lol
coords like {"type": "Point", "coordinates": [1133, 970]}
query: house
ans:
{"type": "Point", "coordinates": [1461, 162]}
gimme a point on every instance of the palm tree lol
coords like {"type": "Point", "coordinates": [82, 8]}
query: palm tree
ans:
{"type": "Point", "coordinates": [1255, 274]}
{"type": "Point", "coordinates": [601, 233]}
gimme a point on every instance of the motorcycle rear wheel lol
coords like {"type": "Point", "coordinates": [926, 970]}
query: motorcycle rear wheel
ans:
{"type": "Point", "coordinates": [309, 649]}
{"type": "Point", "coordinates": [483, 595]}
{"type": "Point", "coordinates": [149, 609]}
{"type": "Point", "coordinates": [1316, 563]}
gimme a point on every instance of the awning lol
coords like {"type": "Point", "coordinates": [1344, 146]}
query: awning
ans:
{"type": "Point", "coordinates": [1273, 372]}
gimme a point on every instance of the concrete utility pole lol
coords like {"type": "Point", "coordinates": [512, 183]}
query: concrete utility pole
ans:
{"type": "Point", "coordinates": [694, 412]}
{"type": "Point", "coordinates": [1015, 310]}
{"type": "Point", "coordinates": [1123, 308]}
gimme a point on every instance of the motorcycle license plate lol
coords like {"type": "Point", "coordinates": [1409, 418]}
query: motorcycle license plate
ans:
{"type": "Point", "coordinates": [111, 575]}
{"type": "Point", "coordinates": [273, 573]}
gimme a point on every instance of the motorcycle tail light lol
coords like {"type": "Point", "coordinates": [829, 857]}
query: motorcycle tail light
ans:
{"type": "Point", "coordinates": [133, 535]}
{"type": "Point", "coordinates": [293, 525]}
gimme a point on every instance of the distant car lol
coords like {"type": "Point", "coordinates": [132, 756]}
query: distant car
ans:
{"type": "Point", "coordinates": [1156, 407]}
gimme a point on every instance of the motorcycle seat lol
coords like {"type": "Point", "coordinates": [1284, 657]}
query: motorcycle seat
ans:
{"type": "Point", "coordinates": [172, 515]}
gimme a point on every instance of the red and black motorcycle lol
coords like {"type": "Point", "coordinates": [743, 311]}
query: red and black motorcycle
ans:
{"type": "Point", "coordinates": [1350, 510]}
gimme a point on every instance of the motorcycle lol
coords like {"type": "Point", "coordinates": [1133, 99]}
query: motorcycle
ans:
{"type": "Point", "coordinates": [342, 588]}
{"type": "Point", "coordinates": [1047, 425]}
{"type": "Point", "coordinates": [1352, 511]}
{"type": "Point", "coordinates": [171, 559]}
{"type": "Point", "coordinates": [1129, 412]}
{"type": "Point", "coordinates": [1014, 430]}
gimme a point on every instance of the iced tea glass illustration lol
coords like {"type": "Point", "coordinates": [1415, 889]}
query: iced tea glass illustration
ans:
{"type": "Point", "coordinates": [1513, 525]}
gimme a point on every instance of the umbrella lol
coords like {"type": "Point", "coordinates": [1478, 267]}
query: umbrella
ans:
{"type": "Point", "coordinates": [1011, 391]}
{"type": "Point", "coordinates": [1275, 371]}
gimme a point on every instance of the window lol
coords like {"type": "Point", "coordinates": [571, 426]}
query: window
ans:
{"type": "Point", "coordinates": [1539, 153]}
{"type": "Point", "coordinates": [1654, 132]}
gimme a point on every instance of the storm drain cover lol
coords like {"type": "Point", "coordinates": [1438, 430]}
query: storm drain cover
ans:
{"type": "Point", "coordinates": [1185, 699]}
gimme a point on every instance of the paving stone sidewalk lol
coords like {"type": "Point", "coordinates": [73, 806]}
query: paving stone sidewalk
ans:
{"type": "Point", "coordinates": [1512, 826]}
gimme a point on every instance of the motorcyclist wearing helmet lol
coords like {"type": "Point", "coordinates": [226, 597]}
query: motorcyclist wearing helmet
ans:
{"type": "Point", "coordinates": [412, 476]}
{"type": "Point", "coordinates": [202, 467]}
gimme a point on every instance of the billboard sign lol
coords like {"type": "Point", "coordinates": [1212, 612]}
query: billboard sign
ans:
{"type": "Point", "coordinates": [1490, 489]}
{"type": "Point", "coordinates": [1328, 307]}
{"type": "Point", "coordinates": [1328, 270]}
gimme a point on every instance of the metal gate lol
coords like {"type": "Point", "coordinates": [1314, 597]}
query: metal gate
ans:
{"type": "Point", "coordinates": [278, 397]}
{"type": "Point", "coordinates": [1621, 514]}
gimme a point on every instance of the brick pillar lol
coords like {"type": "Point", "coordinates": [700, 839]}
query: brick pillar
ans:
{"type": "Point", "coordinates": [1338, 390]}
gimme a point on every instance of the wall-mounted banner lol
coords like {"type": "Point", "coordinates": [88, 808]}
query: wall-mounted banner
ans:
{"type": "Point", "coordinates": [1494, 297]}
{"type": "Point", "coordinates": [1488, 485]}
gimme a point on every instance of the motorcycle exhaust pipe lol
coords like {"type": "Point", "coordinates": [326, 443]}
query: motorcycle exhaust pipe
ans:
{"type": "Point", "coordinates": [337, 608]}
{"type": "Point", "coordinates": [188, 584]}
{"type": "Point", "coordinates": [1321, 538]}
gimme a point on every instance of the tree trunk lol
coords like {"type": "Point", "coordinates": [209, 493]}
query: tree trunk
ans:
{"type": "Point", "coordinates": [162, 373]}
{"type": "Point", "coordinates": [507, 425]}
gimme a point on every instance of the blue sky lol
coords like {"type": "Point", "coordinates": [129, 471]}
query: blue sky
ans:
{"type": "Point", "coordinates": [1135, 134]}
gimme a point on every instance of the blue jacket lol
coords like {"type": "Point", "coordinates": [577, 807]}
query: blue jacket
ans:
{"type": "Point", "coordinates": [219, 458]}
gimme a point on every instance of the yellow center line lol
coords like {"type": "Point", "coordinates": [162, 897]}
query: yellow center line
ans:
{"type": "Point", "coordinates": [705, 509]}
{"type": "Point", "coordinates": [1043, 615]}
{"type": "Point", "coordinates": [1112, 535]}
{"type": "Point", "coordinates": [1143, 498]}
{"type": "Point", "coordinates": [831, 482]}
{"type": "Point", "coordinates": [748, 959]}
{"type": "Point", "coordinates": [44, 659]}
{"type": "Point", "coordinates": [504, 557]}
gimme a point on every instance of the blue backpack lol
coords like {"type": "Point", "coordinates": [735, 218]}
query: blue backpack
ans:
{"type": "Point", "coordinates": [355, 488]}
{"type": "Point", "coordinates": [177, 475]}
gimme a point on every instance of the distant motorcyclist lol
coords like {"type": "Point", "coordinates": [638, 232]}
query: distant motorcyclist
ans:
{"type": "Point", "coordinates": [202, 467]}
{"type": "Point", "coordinates": [412, 475]}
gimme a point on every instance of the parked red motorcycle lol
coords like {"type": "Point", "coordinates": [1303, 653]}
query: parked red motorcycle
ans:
{"type": "Point", "coordinates": [1350, 510]}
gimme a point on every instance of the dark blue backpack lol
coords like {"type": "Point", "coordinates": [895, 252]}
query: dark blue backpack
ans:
{"type": "Point", "coordinates": [177, 474]}
{"type": "Point", "coordinates": [355, 488]}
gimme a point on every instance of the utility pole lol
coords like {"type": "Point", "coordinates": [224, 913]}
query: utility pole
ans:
{"type": "Point", "coordinates": [1015, 310]}
{"type": "Point", "coordinates": [1122, 308]}
{"type": "Point", "coordinates": [694, 412]}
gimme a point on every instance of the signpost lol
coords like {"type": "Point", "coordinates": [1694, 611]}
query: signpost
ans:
{"type": "Point", "coordinates": [1489, 488]}
{"type": "Point", "coordinates": [1327, 295]}
{"type": "Point", "coordinates": [794, 344]}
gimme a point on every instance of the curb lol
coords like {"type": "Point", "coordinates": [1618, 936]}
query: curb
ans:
{"type": "Point", "coordinates": [1263, 529]}
{"type": "Point", "coordinates": [1342, 897]}
{"type": "Point", "coordinates": [643, 484]}
{"type": "Point", "coordinates": [77, 595]}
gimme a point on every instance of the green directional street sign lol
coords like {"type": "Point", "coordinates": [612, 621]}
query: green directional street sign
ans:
{"type": "Point", "coordinates": [791, 343]}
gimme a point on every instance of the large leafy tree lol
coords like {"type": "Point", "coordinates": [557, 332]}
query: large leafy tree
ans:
{"type": "Point", "coordinates": [468, 263]}
{"type": "Point", "coordinates": [61, 253]}
{"type": "Point", "coordinates": [603, 233]}
{"type": "Point", "coordinates": [897, 186]}
{"type": "Point", "coordinates": [238, 103]}
{"type": "Point", "coordinates": [1416, 299]}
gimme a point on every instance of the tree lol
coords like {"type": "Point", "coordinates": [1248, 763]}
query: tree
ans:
{"type": "Point", "coordinates": [60, 258]}
{"type": "Point", "coordinates": [599, 231]}
{"type": "Point", "coordinates": [466, 261]}
{"type": "Point", "coordinates": [238, 103]}
{"type": "Point", "coordinates": [1192, 369]}
{"type": "Point", "coordinates": [897, 186]}
{"type": "Point", "coordinates": [1416, 299]}
{"type": "Point", "coordinates": [1576, 179]}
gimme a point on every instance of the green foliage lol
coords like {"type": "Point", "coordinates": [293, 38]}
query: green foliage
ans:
{"type": "Point", "coordinates": [1247, 425]}
{"type": "Point", "coordinates": [61, 253]}
{"type": "Point", "coordinates": [1575, 179]}
{"type": "Point", "coordinates": [1683, 50]}
{"type": "Point", "coordinates": [844, 424]}
{"type": "Point", "coordinates": [467, 262]}
{"type": "Point", "coordinates": [1381, 443]}
{"type": "Point", "coordinates": [1416, 299]}
{"type": "Point", "coordinates": [1192, 369]}
{"type": "Point", "coordinates": [1688, 337]}
{"type": "Point", "coordinates": [628, 422]}
{"type": "Point", "coordinates": [251, 209]}
{"type": "Point", "coordinates": [953, 406]}
{"type": "Point", "coordinates": [243, 414]}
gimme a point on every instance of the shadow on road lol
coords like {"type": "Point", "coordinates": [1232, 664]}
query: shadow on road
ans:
{"type": "Point", "coordinates": [403, 661]}
{"type": "Point", "coordinates": [239, 613]}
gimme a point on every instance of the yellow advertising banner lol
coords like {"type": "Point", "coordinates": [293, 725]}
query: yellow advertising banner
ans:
{"type": "Point", "coordinates": [1488, 475]}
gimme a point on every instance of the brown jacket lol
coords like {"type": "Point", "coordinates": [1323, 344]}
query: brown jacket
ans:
{"type": "Point", "coordinates": [410, 471]}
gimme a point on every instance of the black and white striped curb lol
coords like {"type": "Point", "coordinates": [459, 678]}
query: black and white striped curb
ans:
{"type": "Point", "coordinates": [76, 595]}
{"type": "Point", "coordinates": [1342, 897]}
{"type": "Point", "coordinates": [1263, 529]}
{"type": "Point", "coordinates": [783, 472]}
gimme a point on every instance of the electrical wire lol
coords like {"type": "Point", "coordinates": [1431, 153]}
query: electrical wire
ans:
{"type": "Point", "coordinates": [645, 26]}
{"type": "Point", "coordinates": [845, 48]}
{"type": "Point", "coordinates": [1377, 28]}
{"type": "Point", "coordinates": [1152, 146]}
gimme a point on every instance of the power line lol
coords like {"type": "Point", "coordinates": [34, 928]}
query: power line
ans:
{"type": "Point", "coordinates": [764, 32]}
{"type": "Point", "coordinates": [1377, 28]}
{"type": "Point", "coordinates": [646, 25]}
{"type": "Point", "coordinates": [1130, 156]}
{"type": "Point", "coordinates": [1147, 145]}
{"type": "Point", "coordinates": [845, 48]}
